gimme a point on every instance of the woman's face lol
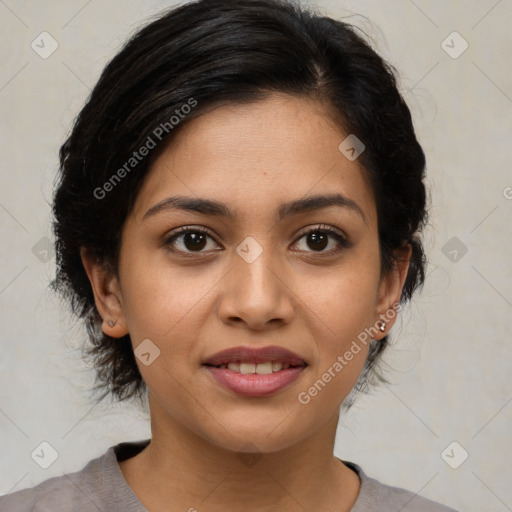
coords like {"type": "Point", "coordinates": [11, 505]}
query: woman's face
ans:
{"type": "Point", "coordinates": [253, 279]}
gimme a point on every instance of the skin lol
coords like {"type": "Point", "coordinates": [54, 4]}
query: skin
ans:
{"type": "Point", "coordinates": [312, 301]}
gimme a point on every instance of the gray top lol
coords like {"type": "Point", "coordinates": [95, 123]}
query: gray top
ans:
{"type": "Point", "coordinates": [101, 487]}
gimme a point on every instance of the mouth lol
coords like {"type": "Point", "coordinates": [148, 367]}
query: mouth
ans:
{"type": "Point", "coordinates": [255, 372]}
{"type": "Point", "coordinates": [263, 361]}
{"type": "Point", "coordinates": [256, 368]}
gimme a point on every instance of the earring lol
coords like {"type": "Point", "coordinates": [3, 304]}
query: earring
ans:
{"type": "Point", "coordinates": [111, 323]}
{"type": "Point", "coordinates": [382, 326]}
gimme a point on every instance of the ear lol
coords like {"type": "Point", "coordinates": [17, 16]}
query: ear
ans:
{"type": "Point", "coordinates": [107, 295]}
{"type": "Point", "coordinates": [390, 290]}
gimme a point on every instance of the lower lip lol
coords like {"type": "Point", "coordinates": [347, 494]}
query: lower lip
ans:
{"type": "Point", "coordinates": [254, 385]}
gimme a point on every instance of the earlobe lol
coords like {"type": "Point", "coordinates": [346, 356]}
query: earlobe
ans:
{"type": "Point", "coordinates": [107, 296]}
{"type": "Point", "coordinates": [391, 290]}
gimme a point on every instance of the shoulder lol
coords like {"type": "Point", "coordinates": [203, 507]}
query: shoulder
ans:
{"type": "Point", "coordinates": [57, 493]}
{"type": "Point", "coordinates": [98, 486]}
{"type": "Point", "coordinates": [375, 496]}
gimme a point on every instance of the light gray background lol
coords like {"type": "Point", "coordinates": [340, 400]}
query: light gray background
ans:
{"type": "Point", "coordinates": [451, 364]}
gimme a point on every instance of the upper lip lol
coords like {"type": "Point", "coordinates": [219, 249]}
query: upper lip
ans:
{"type": "Point", "coordinates": [255, 355]}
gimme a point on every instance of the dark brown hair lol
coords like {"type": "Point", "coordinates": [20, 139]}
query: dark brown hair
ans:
{"type": "Point", "coordinates": [225, 51]}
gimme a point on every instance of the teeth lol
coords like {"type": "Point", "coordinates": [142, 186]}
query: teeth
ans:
{"type": "Point", "coordinates": [246, 368]}
{"type": "Point", "coordinates": [277, 366]}
{"type": "Point", "coordinates": [264, 368]}
{"type": "Point", "coordinates": [260, 368]}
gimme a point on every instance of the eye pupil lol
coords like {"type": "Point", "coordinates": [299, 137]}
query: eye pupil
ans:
{"type": "Point", "coordinates": [319, 240]}
{"type": "Point", "coordinates": [194, 241]}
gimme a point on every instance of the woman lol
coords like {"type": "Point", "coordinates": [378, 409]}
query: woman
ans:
{"type": "Point", "coordinates": [237, 220]}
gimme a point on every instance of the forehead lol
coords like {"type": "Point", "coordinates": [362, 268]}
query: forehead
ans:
{"type": "Point", "coordinates": [255, 157]}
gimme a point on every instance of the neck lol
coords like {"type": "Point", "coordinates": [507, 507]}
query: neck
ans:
{"type": "Point", "coordinates": [180, 470]}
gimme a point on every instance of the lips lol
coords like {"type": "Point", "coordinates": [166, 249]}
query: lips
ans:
{"type": "Point", "coordinates": [255, 356]}
{"type": "Point", "coordinates": [255, 372]}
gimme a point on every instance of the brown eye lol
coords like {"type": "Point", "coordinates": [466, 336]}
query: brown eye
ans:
{"type": "Point", "coordinates": [189, 240]}
{"type": "Point", "coordinates": [318, 239]}
{"type": "Point", "coordinates": [194, 241]}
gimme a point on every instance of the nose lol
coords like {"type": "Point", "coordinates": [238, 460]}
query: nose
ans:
{"type": "Point", "coordinates": [256, 293]}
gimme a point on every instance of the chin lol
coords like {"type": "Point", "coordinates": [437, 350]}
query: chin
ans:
{"type": "Point", "coordinates": [266, 434]}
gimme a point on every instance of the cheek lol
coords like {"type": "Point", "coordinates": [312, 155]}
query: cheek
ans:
{"type": "Point", "coordinates": [168, 306]}
{"type": "Point", "coordinates": [338, 309]}
{"type": "Point", "coordinates": [163, 299]}
{"type": "Point", "coordinates": [344, 300]}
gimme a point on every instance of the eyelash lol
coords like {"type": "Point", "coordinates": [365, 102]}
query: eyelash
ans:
{"type": "Point", "coordinates": [343, 242]}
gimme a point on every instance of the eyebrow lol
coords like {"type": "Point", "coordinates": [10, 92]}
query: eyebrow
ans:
{"type": "Point", "coordinates": [218, 209]}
